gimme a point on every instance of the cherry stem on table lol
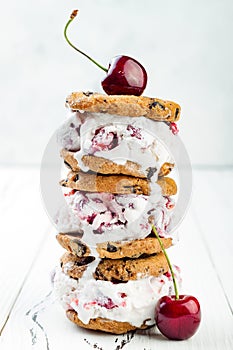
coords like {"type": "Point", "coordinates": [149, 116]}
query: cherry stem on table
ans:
{"type": "Point", "coordinates": [168, 261]}
{"type": "Point", "coordinates": [72, 16]}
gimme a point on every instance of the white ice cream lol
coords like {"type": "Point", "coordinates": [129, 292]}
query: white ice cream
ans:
{"type": "Point", "coordinates": [117, 138]}
{"type": "Point", "coordinates": [132, 302]}
{"type": "Point", "coordinates": [66, 220]}
{"type": "Point", "coordinates": [68, 136]}
{"type": "Point", "coordinates": [105, 217]}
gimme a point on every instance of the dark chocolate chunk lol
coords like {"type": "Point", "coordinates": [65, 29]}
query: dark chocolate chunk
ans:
{"type": "Point", "coordinates": [111, 248]}
{"type": "Point", "coordinates": [64, 182]}
{"type": "Point", "coordinates": [84, 261]}
{"type": "Point", "coordinates": [99, 275]}
{"type": "Point", "coordinates": [67, 164]}
{"type": "Point", "coordinates": [88, 93]}
{"type": "Point", "coordinates": [117, 281]}
{"type": "Point", "coordinates": [134, 189]}
{"type": "Point", "coordinates": [76, 178]}
{"type": "Point", "coordinates": [156, 103]}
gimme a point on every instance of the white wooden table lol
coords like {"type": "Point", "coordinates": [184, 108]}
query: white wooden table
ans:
{"type": "Point", "coordinates": [29, 317]}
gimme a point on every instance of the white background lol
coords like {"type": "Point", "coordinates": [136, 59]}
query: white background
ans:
{"type": "Point", "coordinates": [186, 47]}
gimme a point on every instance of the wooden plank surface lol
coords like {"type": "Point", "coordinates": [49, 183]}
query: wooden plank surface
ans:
{"type": "Point", "coordinates": [23, 226]}
{"type": "Point", "coordinates": [38, 322]}
{"type": "Point", "coordinates": [213, 214]}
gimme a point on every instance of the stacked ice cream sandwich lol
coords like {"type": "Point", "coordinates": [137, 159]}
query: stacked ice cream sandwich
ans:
{"type": "Point", "coordinates": [117, 186]}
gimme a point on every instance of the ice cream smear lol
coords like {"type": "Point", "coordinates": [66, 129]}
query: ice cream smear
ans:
{"type": "Point", "coordinates": [133, 301]}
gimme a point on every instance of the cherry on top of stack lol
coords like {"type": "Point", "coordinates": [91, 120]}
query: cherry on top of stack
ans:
{"type": "Point", "coordinates": [118, 168]}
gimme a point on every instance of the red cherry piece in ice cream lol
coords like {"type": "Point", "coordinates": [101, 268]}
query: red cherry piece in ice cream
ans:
{"type": "Point", "coordinates": [178, 319]}
{"type": "Point", "coordinates": [107, 303]}
{"type": "Point", "coordinates": [135, 132]}
{"type": "Point", "coordinates": [104, 140]}
{"type": "Point", "coordinates": [71, 193]}
{"type": "Point", "coordinates": [125, 76]}
{"type": "Point", "coordinates": [174, 129]}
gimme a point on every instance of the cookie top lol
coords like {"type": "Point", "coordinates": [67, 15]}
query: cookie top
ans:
{"type": "Point", "coordinates": [132, 249]}
{"type": "Point", "coordinates": [118, 270]}
{"type": "Point", "coordinates": [105, 166]}
{"type": "Point", "coordinates": [125, 105]}
{"type": "Point", "coordinates": [114, 250]}
{"type": "Point", "coordinates": [123, 270]}
{"type": "Point", "coordinates": [165, 169]}
{"type": "Point", "coordinates": [116, 184]}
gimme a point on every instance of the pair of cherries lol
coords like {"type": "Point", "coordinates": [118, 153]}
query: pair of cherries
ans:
{"type": "Point", "coordinates": [177, 316]}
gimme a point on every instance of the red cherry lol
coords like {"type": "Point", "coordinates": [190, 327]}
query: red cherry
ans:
{"type": "Point", "coordinates": [178, 319]}
{"type": "Point", "coordinates": [125, 76]}
{"type": "Point", "coordinates": [177, 316]}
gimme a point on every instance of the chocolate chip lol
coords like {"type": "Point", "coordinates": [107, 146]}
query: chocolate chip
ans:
{"type": "Point", "coordinates": [88, 93]}
{"type": "Point", "coordinates": [76, 178]}
{"type": "Point", "coordinates": [177, 112]}
{"type": "Point", "coordinates": [98, 275]}
{"type": "Point", "coordinates": [111, 248]}
{"type": "Point", "coordinates": [64, 182]}
{"type": "Point", "coordinates": [72, 125]}
{"type": "Point", "coordinates": [129, 272]}
{"type": "Point", "coordinates": [84, 261]}
{"type": "Point", "coordinates": [67, 164]}
{"type": "Point", "coordinates": [134, 189]}
{"type": "Point", "coordinates": [156, 103]}
{"type": "Point", "coordinates": [117, 281]}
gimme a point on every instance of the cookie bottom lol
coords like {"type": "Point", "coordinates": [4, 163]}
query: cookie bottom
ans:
{"type": "Point", "coordinates": [103, 324]}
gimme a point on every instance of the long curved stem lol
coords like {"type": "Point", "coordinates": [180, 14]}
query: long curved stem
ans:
{"type": "Point", "coordinates": [72, 16]}
{"type": "Point", "coordinates": [168, 261]}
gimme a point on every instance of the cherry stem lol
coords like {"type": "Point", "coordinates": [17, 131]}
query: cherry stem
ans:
{"type": "Point", "coordinates": [72, 16]}
{"type": "Point", "coordinates": [168, 261]}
